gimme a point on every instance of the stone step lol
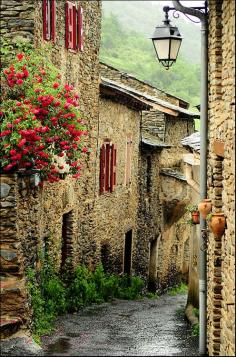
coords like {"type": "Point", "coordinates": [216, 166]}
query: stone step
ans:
{"type": "Point", "coordinates": [10, 259]}
{"type": "Point", "coordinates": [9, 325]}
{"type": "Point", "coordinates": [13, 296]}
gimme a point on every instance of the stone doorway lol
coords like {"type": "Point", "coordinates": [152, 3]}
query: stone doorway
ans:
{"type": "Point", "coordinates": [128, 252]}
{"type": "Point", "coordinates": [153, 266]}
{"type": "Point", "coordinates": [67, 230]}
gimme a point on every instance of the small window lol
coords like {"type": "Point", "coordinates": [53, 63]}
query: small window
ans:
{"type": "Point", "coordinates": [128, 160]}
{"type": "Point", "coordinates": [107, 167]}
{"type": "Point", "coordinates": [49, 20]}
{"type": "Point", "coordinates": [74, 27]}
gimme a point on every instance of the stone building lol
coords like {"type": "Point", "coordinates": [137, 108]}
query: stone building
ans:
{"type": "Point", "coordinates": [33, 221]}
{"type": "Point", "coordinates": [221, 179]}
{"type": "Point", "coordinates": [162, 188]}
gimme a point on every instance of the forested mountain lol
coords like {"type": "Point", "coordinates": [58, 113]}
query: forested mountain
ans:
{"type": "Point", "coordinates": [126, 28]}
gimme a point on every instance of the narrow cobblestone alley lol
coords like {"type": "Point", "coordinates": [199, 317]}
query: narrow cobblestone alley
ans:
{"type": "Point", "coordinates": [125, 328]}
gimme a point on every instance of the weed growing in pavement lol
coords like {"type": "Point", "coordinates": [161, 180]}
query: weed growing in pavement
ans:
{"type": "Point", "coordinates": [52, 295]}
{"type": "Point", "coordinates": [182, 288]}
{"type": "Point", "coordinates": [195, 330]}
{"type": "Point", "coordinates": [152, 296]}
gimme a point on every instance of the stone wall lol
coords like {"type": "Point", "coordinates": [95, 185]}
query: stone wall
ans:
{"type": "Point", "coordinates": [14, 305]}
{"type": "Point", "coordinates": [153, 122]}
{"type": "Point", "coordinates": [44, 213]}
{"type": "Point", "coordinates": [113, 214]}
{"type": "Point", "coordinates": [221, 189]}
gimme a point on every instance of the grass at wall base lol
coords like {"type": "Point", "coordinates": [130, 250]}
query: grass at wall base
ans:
{"type": "Point", "coordinates": [52, 295]}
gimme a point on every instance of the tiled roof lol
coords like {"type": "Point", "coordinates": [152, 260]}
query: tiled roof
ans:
{"type": "Point", "coordinates": [154, 142]}
{"type": "Point", "coordinates": [173, 173]}
{"type": "Point", "coordinates": [147, 98]}
{"type": "Point", "coordinates": [192, 141]}
{"type": "Point", "coordinates": [129, 75]}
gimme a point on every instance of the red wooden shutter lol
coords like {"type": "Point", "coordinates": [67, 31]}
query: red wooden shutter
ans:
{"type": "Point", "coordinates": [113, 168]}
{"type": "Point", "coordinates": [75, 35]}
{"type": "Point", "coordinates": [102, 169]}
{"type": "Point", "coordinates": [80, 43]}
{"type": "Point", "coordinates": [69, 24]}
{"type": "Point", "coordinates": [107, 166]}
{"type": "Point", "coordinates": [45, 19]}
{"type": "Point", "coordinates": [53, 20]}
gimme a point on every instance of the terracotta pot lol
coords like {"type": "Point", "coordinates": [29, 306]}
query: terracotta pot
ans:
{"type": "Point", "coordinates": [195, 217]}
{"type": "Point", "coordinates": [204, 207]}
{"type": "Point", "coordinates": [217, 224]}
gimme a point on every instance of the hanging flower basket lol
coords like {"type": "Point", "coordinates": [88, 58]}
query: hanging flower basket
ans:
{"type": "Point", "coordinates": [41, 127]}
{"type": "Point", "coordinates": [217, 224]}
{"type": "Point", "coordinates": [204, 207]}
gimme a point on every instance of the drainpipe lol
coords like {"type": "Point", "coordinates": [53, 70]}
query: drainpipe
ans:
{"type": "Point", "coordinates": [203, 167]}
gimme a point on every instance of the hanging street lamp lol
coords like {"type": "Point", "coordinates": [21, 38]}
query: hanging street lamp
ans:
{"type": "Point", "coordinates": [166, 40]}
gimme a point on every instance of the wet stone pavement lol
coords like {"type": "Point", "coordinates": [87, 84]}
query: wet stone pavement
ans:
{"type": "Point", "coordinates": [125, 328]}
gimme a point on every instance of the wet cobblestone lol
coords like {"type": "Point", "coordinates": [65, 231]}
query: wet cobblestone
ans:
{"type": "Point", "coordinates": [125, 328]}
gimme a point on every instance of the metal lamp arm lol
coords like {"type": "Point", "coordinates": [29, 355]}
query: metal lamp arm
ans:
{"type": "Point", "coordinates": [189, 10]}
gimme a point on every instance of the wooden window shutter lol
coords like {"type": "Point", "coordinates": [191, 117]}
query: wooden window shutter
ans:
{"type": "Point", "coordinates": [46, 19]}
{"type": "Point", "coordinates": [107, 166]}
{"type": "Point", "coordinates": [102, 169]}
{"type": "Point", "coordinates": [69, 24]}
{"type": "Point", "coordinates": [53, 20]}
{"type": "Point", "coordinates": [74, 32]}
{"type": "Point", "coordinates": [49, 20]}
{"type": "Point", "coordinates": [113, 167]}
{"type": "Point", "coordinates": [80, 29]}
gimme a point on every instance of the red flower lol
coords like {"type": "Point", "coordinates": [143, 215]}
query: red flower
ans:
{"type": "Point", "coordinates": [55, 85]}
{"type": "Point", "coordinates": [19, 81]}
{"type": "Point", "coordinates": [76, 175]}
{"type": "Point", "coordinates": [85, 150]}
{"type": "Point", "coordinates": [20, 56]}
{"type": "Point", "coordinates": [12, 152]}
{"type": "Point", "coordinates": [21, 143]}
{"type": "Point", "coordinates": [26, 73]}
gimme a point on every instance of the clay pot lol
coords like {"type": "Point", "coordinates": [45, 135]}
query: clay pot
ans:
{"type": "Point", "coordinates": [217, 224]}
{"type": "Point", "coordinates": [204, 207]}
{"type": "Point", "coordinates": [195, 217]}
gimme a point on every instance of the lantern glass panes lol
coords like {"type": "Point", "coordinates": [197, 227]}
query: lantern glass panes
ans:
{"type": "Point", "coordinates": [167, 40]}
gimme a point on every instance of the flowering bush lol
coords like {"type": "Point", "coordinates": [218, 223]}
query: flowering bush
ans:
{"type": "Point", "coordinates": [40, 119]}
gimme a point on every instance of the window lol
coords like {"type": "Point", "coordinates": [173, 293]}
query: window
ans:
{"type": "Point", "coordinates": [107, 167]}
{"type": "Point", "coordinates": [128, 160]}
{"type": "Point", "coordinates": [74, 27]}
{"type": "Point", "coordinates": [49, 20]}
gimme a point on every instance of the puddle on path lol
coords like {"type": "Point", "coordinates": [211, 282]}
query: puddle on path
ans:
{"type": "Point", "coordinates": [61, 345]}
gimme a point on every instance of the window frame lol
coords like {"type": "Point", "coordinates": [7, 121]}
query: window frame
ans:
{"type": "Point", "coordinates": [108, 164]}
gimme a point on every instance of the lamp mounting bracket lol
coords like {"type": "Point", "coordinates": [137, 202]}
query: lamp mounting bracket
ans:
{"type": "Point", "coordinates": [197, 11]}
